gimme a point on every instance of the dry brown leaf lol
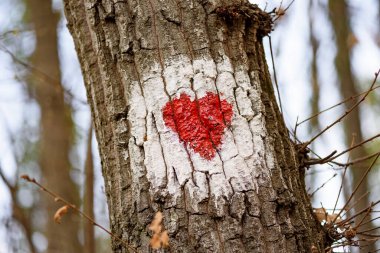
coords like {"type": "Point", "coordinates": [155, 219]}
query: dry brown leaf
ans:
{"type": "Point", "coordinates": [155, 241]}
{"type": "Point", "coordinates": [165, 239]}
{"type": "Point", "coordinates": [320, 213]}
{"type": "Point", "coordinates": [60, 213]}
{"type": "Point", "coordinates": [155, 225]}
{"type": "Point", "coordinates": [332, 217]}
{"type": "Point", "coordinates": [159, 238]}
{"type": "Point", "coordinates": [280, 11]}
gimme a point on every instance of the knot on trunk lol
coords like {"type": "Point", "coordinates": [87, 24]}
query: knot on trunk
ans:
{"type": "Point", "coordinates": [262, 20]}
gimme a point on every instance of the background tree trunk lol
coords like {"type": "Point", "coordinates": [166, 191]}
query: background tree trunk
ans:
{"type": "Point", "coordinates": [56, 127]}
{"type": "Point", "coordinates": [340, 20]}
{"type": "Point", "coordinates": [139, 56]}
{"type": "Point", "coordinates": [88, 198]}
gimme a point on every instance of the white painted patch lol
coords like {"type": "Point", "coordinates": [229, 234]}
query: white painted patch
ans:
{"type": "Point", "coordinates": [197, 191]}
{"type": "Point", "coordinates": [155, 99]}
{"type": "Point", "coordinates": [136, 162]}
{"type": "Point", "coordinates": [154, 159]}
{"type": "Point", "coordinates": [178, 72]}
{"type": "Point", "coordinates": [225, 64]}
{"type": "Point", "coordinates": [204, 76]}
{"type": "Point", "coordinates": [137, 173]}
{"type": "Point", "coordinates": [220, 191]}
{"type": "Point", "coordinates": [239, 175]}
{"type": "Point", "coordinates": [244, 104]}
{"type": "Point", "coordinates": [226, 84]}
{"type": "Point", "coordinates": [228, 147]}
{"type": "Point", "coordinates": [242, 78]}
{"type": "Point", "coordinates": [173, 187]}
{"type": "Point", "coordinates": [176, 157]}
{"type": "Point", "coordinates": [137, 113]}
{"type": "Point", "coordinates": [243, 137]}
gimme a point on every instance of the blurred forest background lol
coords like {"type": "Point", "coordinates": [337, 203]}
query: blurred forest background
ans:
{"type": "Point", "coordinates": [324, 51]}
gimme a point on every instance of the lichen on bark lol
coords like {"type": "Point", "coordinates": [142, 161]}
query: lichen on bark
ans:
{"type": "Point", "coordinates": [138, 56]}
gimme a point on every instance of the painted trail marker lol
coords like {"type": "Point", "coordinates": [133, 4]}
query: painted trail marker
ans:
{"type": "Point", "coordinates": [200, 124]}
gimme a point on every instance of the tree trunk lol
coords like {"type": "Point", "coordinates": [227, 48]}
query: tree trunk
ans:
{"type": "Point", "coordinates": [56, 127]}
{"type": "Point", "coordinates": [187, 124]}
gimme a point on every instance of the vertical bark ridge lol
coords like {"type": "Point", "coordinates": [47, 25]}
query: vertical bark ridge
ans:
{"type": "Point", "coordinates": [137, 196]}
{"type": "Point", "coordinates": [221, 45]}
{"type": "Point", "coordinates": [106, 39]}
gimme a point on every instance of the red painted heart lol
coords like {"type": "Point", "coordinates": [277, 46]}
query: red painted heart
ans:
{"type": "Point", "coordinates": [200, 124]}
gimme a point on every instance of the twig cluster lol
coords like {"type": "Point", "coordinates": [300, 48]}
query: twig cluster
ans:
{"type": "Point", "coordinates": [343, 228]}
{"type": "Point", "coordinates": [303, 147]}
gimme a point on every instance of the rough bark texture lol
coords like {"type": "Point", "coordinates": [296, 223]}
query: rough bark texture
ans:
{"type": "Point", "coordinates": [137, 56]}
{"type": "Point", "coordinates": [56, 127]}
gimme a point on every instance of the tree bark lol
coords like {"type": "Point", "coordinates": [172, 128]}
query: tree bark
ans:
{"type": "Point", "coordinates": [56, 127]}
{"type": "Point", "coordinates": [138, 57]}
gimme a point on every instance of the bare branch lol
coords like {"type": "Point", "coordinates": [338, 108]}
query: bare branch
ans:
{"type": "Point", "coordinates": [320, 187]}
{"type": "Point", "coordinates": [39, 73]}
{"type": "Point", "coordinates": [346, 113]}
{"type": "Point", "coordinates": [357, 187]}
{"type": "Point", "coordinates": [358, 213]}
{"type": "Point", "coordinates": [274, 73]}
{"type": "Point", "coordinates": [56, 197]}
{"type": "Point", "coordinates": [336, 105]}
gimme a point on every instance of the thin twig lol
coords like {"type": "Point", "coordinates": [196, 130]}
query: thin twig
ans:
{"type": "Point", "coordinates": [6, 181]}
{"type": "Point", "coordinates": [368, 230]}
{"type": "Point", "coordinates": [354, 204]}
{"type": "Point", "coordinates": [72, 206]}
{"type": "Point", "coordinates": [40, 73]}
{"type": "Point", "coordinates": [353, 147]}
{"type": "Point", "coordinates": [321, 160]}
{"type": "Point", "coordinates": [344, 173]}
{"type": "Point", "coordinates": [358, 160]}
{"type": "Point", "coordinates": [365, 216]}
{"type": "Point", "coordinates": [354, 243]}
{"type": "Point", "coordinates": [340, 188]}
{"type": "Point", "coordinates": [357, 187]}
{"type": "Point", "coordinates": [320, 187]}
{"type": "Point", "coordinates": [336, 105]}
{"type": "Point", "coordinates": [357, 214]}
{"type": "Point", "coordinates": [370, 235]}
{"type": "Point", "coordinates": [283, 12]}
{"type": "Point", "coordinates": [274, 73]}
{"type": "Point", "coordinates": [370, 221]}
